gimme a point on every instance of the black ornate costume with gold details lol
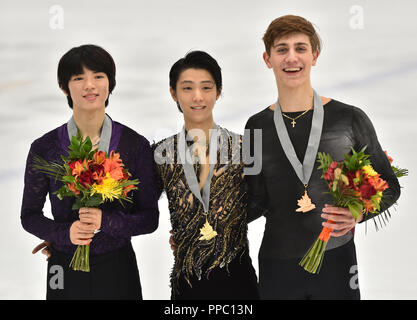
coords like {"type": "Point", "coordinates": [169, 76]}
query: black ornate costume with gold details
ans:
{"type": "Point", "coordinates": [218, 266]}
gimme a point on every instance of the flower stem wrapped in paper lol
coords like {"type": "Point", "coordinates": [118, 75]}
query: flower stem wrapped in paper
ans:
{"type": "Point", "coordinates": [353, 184]}
{"type": "Point", "coordinates": [92, 177]}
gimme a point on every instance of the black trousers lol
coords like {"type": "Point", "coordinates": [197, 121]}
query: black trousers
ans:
{"type": "Point", "coordinates": [240, 283]}
{"type": "Point", "coordinates": [112, 275]}
{"type": "Point", "coordinates": [286, 280]}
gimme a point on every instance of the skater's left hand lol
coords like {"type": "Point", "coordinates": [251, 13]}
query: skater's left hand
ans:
{"type": "Point", "coordinates": [91, 216]}
{"type": "Point", "coordinates": [342, 218]}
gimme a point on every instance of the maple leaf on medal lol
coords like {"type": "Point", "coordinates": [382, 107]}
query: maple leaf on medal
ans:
{"type": "Point", "coordinates": [207, 232]}
{"type": "Point", "coordinates": [305, 203]}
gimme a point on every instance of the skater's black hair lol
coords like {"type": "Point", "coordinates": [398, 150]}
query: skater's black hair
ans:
{"type": "Point", "coordinates": [195, 60]}
{"type": "Point", "coordinates": [91, 57]}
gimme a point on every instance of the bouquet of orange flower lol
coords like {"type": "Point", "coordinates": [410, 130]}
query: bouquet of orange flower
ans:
{"type": "Point", "coordinates": [353, 184]}
{"type": "Point", "coordinates": [92, 177]}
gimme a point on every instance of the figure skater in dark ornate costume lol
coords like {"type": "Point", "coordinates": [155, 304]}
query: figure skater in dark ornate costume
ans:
{"type": "Point", "coordinates": [201, 171]}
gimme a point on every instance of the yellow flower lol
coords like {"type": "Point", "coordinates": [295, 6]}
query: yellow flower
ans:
{"type": "Point", "coordinates": [338, 175]}
{"type": "Point", "coordinates": [369, 171]}
{"type": "Point", "coordinates": [378, 196]}
{"type": "Point", "coordinates": [110, 189]}
{"type": "Point", "coordinates": [345, 179]}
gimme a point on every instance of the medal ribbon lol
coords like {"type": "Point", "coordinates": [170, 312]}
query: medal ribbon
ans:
{"type": "Point", "coordinates": [190, 176]}
{"type": "Point", "coordinates": [305, 169]}
{"type": "Point", "coordinates": [105, 135]}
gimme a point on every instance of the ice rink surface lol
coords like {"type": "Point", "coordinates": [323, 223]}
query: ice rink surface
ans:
{"type": "Point", "coordinates": [369, 59]}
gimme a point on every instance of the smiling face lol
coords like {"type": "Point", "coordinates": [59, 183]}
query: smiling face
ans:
{"type": "Point", "coordinates": [88, 90]}
{"type": "Point", "coordinates": [291, 59]}
{"type": "Point", "coordinates": [196, 93]}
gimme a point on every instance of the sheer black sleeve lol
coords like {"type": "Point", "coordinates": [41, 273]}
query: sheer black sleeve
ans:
{"type": "Point", "coordinates": [255, 184]}
{"type": "Point", "coordinates": [156, 167]}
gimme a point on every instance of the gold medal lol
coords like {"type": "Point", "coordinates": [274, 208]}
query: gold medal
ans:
{"type": "Point", "coordinates": [305, 203]}
{"type": "Point", "coordinates": [207, 232]}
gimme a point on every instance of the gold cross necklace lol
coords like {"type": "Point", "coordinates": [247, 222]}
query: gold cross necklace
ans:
{"type": "Point", "coordinates": [293, 119]}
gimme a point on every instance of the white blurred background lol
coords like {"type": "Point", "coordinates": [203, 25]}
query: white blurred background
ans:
{"type": "Point", "coordinates": [369, 59]}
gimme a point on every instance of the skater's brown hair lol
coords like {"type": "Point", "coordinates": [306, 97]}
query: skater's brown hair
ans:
{"type": "Point", "coordinates": [286, 25]}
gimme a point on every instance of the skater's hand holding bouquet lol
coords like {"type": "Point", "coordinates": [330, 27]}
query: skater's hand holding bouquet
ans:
{"type": "Point", "coordinates": [354, 185]}
{"type": "Point", "coordinates": [92, 177]}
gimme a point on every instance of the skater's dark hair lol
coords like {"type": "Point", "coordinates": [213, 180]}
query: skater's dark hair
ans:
{"type": "Point", "coordinates": [195, 60]}
{"type": "Point", "coordinates": [91, 57]}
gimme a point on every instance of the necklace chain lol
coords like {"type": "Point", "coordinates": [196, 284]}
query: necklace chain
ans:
{"type": "Point", "coordinates": [96, 144]}
{"type": "Point", "coordinates": [293, 122]}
